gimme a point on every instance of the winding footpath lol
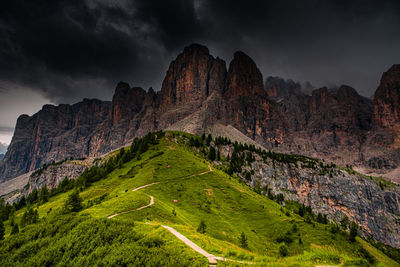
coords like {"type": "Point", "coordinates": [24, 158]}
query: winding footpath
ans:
{"type": "Point", "coordinates": [212, 259]}
{"type": "Point", "coordinates": [151, 197]}
{"type": "Point", "coordinates": [124, 212]}
{"type": "Point", "coordinates": [144, 186]}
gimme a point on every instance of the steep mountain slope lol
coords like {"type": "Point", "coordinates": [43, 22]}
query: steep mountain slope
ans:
{"type": "Point", "coordinates": [197, 92]}
{"type": "Point", "coordinates": [329, 124]}
{"type": "Point", "coordinates": [171, 184]}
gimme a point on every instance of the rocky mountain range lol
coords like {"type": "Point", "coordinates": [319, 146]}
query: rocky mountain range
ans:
{"type": "Point", "coordinates": [199, 91]}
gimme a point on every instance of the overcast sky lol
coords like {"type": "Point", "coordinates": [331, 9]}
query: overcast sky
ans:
{"type": "Point", "coordinates": [60, 51]}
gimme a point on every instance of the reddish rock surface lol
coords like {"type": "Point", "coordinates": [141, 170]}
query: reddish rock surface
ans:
{"type": "Point", "coordinates": [243, 78]}
{"type": "Point", "coordinates": [52, 134]}
{"type": "Point", "coordinates": [387, 99]}
{"type": "Point", "coordinates": [191, 76]}
{"type": "Point", "coordinates": [329, 123]}
{"type": "Point", "coordinates": [126, 101]}
{"type": "Point", "coordinates": [277, 88]}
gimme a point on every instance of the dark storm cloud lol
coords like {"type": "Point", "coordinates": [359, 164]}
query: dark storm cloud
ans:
{"type": "Point", "coordinates": [327, 42]}
{"type": "Point", "coordinates": [70, 49]}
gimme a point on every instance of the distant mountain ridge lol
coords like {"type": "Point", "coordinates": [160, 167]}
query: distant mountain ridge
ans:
{"type": "Point", "coordinates": [199, 91]}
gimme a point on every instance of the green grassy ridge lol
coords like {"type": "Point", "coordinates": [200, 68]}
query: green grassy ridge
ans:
{"type": "Point", "coordinates": [226, 205]}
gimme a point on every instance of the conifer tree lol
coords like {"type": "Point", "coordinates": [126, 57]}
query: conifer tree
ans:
{"type": "Point", "coordinates": [44, 194]}
{"type": "Point", "coordinates": [2, 230]}
{"type": "Point", "coordinates": [243, 241]}
{"type": "Point", "coordinates": [202, 227]}
{"type": "Point", "coordinates": [212, 154]}
{"type": "Point", "coordinates": [15, 229]}
{"type": "Point", "coordinates": [353, 231]}
{"type": "Point", "coordinates": [74, 202]}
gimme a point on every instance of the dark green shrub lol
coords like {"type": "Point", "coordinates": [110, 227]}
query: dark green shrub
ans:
{"type": "Point", "coordinates": [243, 241]}
{"type": "Point", "coordinates": [286, 237]}
{"type": "Point", "coordinates": [29, 217]}
{"type": "Point", "coordinates": [212, 154]}
{"type": "Point", "coordinates": [283, 250]}
{"type": "Point", "coordinates": [15, 229]}
{"type": "Point", "coordinates": [202, 227]}
{"type": "Point", "coordinates": [2, 230]}
{"type": "Point", "coordinates": [353, 231]}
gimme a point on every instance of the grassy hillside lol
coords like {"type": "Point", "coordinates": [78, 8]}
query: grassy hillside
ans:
{"type": "Point", "coordinates": [187, 190]}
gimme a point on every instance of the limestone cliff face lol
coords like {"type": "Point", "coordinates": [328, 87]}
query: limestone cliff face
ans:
{"type": "Point", "coordinates": [243, 78]}
{"type": "Point", "coordinates": [191, 77]}
{"type": "Point", "coordinates": [126, 102]}
{"type": "Point", "coordinates": [339, 120]}
{"type": "Point", "coordinates": [330, 124]}
{"type": "Point", "coordinates": [248, 106]}
{"type": "Point", "coordinates": [54, 175]}
{"type": "Point", "coordinates": [52, 134]}
{"type": "Point", "coordinates": [342, 126]}
{"type": "Point", "coordinates": [277, 88]}
{"type": "Point", "coordinates": [387, 99]}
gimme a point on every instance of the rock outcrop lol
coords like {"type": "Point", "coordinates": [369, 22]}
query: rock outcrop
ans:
{"type": "Point", "coordinates": [277, 88]}
{"type": "Point", "coordinates": [243, 78]}
{"type": "Point", "coordinates": [191, 78]}
{"type": "Point", "coordinates": [53, 175]}
{"type": "Point", "coordinates": [387, 99]}
{"type": "Point", "coordinates": [329, 124]}
{"type": "Point", "coordinates": [126, 102]}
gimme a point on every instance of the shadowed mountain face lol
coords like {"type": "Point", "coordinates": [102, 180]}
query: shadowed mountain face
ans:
{"type": "Point", "coordinates": [198, 91]}
{"type": "Point", "coordinates": [387, 100]}
{"type": "Point", "coordinates": [332, 124]}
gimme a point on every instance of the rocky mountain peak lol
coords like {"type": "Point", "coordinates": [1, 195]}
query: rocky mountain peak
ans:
{"type": "Point", "coordinates": [126, 101]}
{"type": "Point", "coordinates": [345, 91]}
{"type": "Point", "coordinates": [347, 95]}
{"type": "Point", "coordinates": [243, 78]}
{"type": "Point", "coordinates": [319, 98]}
{"type": "Point", "coordinates": [277, 88]}
{"type": "Point", "coordinates": [391, 78]}
{"type": "Point", "coordinates": [196, 49]}
{"type": "Point", "coordinates": [122, 86]}
{"type": "Point", "coordinates": [186, 80]}
{"type": "Point", "coordinates": [387, 98]}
